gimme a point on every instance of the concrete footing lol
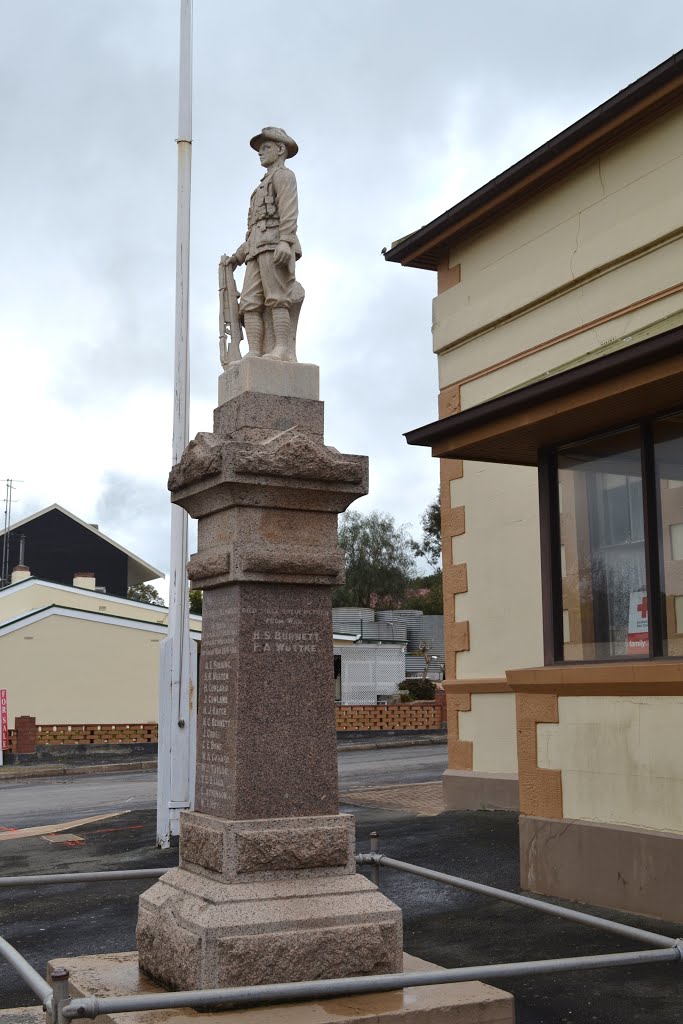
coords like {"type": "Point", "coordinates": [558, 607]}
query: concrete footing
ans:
{"type": "Point", "coordinates": [480, 791]}
{"type": "Point", "coordinates": [631, 869]}
{"type": "Point", "coordinates": [471, 1002]}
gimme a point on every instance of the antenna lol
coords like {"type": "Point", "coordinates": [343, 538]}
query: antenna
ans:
{"type": "Point", "coordinates": [4, 571]}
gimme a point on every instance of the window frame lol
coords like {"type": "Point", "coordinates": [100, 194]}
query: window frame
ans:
{"type": "Point", "coordinates": [550, 546]}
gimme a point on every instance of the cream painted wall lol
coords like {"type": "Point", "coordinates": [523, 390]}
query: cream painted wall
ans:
{"type": "Point", "coordinates": [32, 595]}
{"type": "Point", "coordinates": [616, 226]}
{"type": "Point", "coordinates": [501, 549]}
{"type": "Point", "coordinates": [606, 213]}
{"type": "Point", "coordinates": [66, 670]}
{"type": "Point", "coordinates": [492, 728]}
{"type": "Point", "coordinates": [620, 759]}
{"type": "Point", "coordinates": [659, 270]}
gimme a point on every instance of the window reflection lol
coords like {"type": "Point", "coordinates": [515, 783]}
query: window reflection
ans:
{"type": "Point", "coordinates": [668, 438]}
{"type": "Point", "coordinates": [604, 598]}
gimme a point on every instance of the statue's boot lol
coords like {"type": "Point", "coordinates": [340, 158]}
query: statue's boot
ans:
{"type": "Point", "coordinates": [284, 342]}
{"type": "Point", "coordinates": [253, 328]}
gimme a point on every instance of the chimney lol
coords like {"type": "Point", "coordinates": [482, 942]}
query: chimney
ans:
{"type": "Point", "coordinates": [20, 572]}
{"type": "Point", "coordinates": [85, 580]}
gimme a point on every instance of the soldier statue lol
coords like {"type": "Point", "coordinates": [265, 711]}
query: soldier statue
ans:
{"type": "Point", "coordinates": [271, 297]}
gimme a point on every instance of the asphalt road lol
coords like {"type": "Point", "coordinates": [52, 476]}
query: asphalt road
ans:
{"type": "Point", "coordinates": [32, 802]}
{"type": "Point", "coordinates": [441, 924]}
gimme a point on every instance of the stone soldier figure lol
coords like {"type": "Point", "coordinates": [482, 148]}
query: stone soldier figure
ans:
{"type": "Point", "coordinates": [271, 297]}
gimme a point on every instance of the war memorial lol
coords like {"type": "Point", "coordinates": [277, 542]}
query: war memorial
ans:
{"type": "Point", "coordinates": [266, 890]}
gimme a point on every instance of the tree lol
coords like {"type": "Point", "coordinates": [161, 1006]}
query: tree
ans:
{"type": "Point", "coordinates": [379, 561]}
{"type": "Point", "coordinates": [145, 593]}
{"type": "Point", "coordinates": [430, 545]}
{"type": "Point", "coordinates": [196, 602]}
{"type": "Point", "coordinates": [417, 689]}
{"type": "Point", "coordinates": [427, 594]}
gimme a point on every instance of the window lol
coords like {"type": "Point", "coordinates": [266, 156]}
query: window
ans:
{"type": "Point", "coordinates": [615, 514]}
{"type": "Point", "coordinates": [668, 459]}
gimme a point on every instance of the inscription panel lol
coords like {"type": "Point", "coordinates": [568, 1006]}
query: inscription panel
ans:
{"type": "Point", "coordinates": [266, 743]}
{"type": "Point", "coordinates": [215, 718]}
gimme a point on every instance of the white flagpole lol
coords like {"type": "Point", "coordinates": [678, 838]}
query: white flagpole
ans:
{"type": "Point", "coordinates": [177, 685]}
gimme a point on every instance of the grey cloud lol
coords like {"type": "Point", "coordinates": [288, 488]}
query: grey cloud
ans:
{"type": "Point", "coordinates": [375, 91]}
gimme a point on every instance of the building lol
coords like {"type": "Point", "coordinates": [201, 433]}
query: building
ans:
{"type": "Point", "coordinates": [73, 648]}
{"type": "Point", "coordinates": [385, 648]}
{"type": "Point", "coordinates": [56, 544]}
{"type": "Point", "coordinates": [558, 327]}
{"type": "Point", "coordinates": [74, 655]}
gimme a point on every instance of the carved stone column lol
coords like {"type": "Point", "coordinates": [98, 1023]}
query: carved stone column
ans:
{"type": "Point", "coordinates": [267, 889]}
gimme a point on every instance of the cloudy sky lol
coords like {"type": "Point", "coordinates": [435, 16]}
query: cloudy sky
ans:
{"type": "Point", "coordinates": [400, 110]}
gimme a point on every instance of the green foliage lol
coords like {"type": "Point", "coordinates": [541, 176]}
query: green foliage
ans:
{"type": "Point", "coordinates": [145, 593]}
{"type": "Point", "coordinates": [430, 545]}
{"type": "Point", "coordinates": [379, 561]}
{"type": "Point", "coordinates": [417, 689]}
{"type": "Point", "coordinates": [196, 600]}
{"type": "Point", "coordinates": [426, 595]}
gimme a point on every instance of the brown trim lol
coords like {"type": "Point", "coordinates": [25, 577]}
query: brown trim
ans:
{"type": "Point", "coordinates": [540, 789]}
{"type": "Point", "coordinates": [644, 100]}
{"type": "Point", "coordinates": [605, 394]}
{"type": "Point", "coordinates": [452, 525]}
{"type": "Point", "coordinates": [455, 578]}
{"type": "Point", "coordinates": [449, 400]}
{"type": "Point", "coordinates": [460, 754]}
{"type": "Point", "coordinates": [476, 686]}
{"type": "Point", "coordinates": [452, 520]}
{"type": "Point", "coordinates": [663, 352]}
{"type": "Point", "coordinates": [617, 679]}
{"type": "Point", "coordinates": [565, 336]}
{"type": "Point", "coordinates": [447, 277]}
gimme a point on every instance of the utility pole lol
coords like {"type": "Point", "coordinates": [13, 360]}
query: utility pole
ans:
{"type": "Point", "coordinates": [177, 683]}
{"type": "Point", "coordinates": [5, 569]}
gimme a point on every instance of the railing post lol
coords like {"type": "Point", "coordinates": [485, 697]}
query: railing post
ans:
{"type": "Point", "coordinates": [374, 848]}
{"type": "Point", "coordinates": [59, 979]}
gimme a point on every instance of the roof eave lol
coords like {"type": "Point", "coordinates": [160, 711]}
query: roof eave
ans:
{"type": "Point", "coordinates": [643, 100]}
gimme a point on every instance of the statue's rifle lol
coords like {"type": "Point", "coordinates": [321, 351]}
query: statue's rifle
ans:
{"type": "Point", "coordinates": [229, 316]}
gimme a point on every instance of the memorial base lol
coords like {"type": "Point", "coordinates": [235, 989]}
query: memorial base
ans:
{"type": "Point", "coordinates": [470, 1002]}
{"type": "Point", "coordinates": [265, 901]}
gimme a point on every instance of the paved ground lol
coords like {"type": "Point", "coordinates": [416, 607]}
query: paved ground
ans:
{"type": "Point", "coordinates": [30, 801]}
{"type": "Point", "coordinates": [442, 924]}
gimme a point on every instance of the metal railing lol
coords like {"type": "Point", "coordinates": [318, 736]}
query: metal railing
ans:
{"type": "Point", "coordinates": [61, 1007]}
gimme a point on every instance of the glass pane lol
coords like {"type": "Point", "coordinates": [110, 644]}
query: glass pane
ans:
{"type": "Point", "coordinates": [668, 436]}
{"type": "Point", "coordinates": [604, 596]}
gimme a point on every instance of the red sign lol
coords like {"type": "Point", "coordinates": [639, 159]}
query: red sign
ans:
{"type": "Point", "coordinates": [638, 638]}
{"type": "Point", "coordinates": [4, 728]}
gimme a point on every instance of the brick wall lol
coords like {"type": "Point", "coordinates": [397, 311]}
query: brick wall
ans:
{"type": "Point", "coordinates": [46, 735]}
{"type": "Point", "coordinates": [419, 714]}
{"type": "Point", "coordinates": [424, 714]}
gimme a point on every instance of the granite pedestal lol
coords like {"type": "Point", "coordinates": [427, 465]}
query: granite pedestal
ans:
{"type": "Point", "coordinates": [267, 889]}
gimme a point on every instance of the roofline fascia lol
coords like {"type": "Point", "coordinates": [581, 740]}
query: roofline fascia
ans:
{"type": "Point", "coordinates": [547, 161]}
{"type": "Point", "coordinates": [555, 386]}
{"type": "Point", "coordinates": [96, 532]}
{"type": "Point", "coordinates": [44, 612]}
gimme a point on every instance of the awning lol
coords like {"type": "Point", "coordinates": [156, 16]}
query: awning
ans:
{"type": "Point", "coordinates": [642, 380]}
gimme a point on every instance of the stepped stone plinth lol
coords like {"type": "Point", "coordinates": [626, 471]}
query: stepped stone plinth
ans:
{"type": "Point", "coordinates": [267, 888]}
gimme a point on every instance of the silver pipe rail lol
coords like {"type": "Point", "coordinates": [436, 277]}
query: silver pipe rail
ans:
{"type": "Point", "coordinates": [626, 931]}
{"type": "Point", "coordinates": [669, 950]}
{"type": "Point", "coordinates": [81, 876]}
{"type": "Point", "coordinates": [302, 990]}
{"type": "Point", "coordinates": [25, 971]}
